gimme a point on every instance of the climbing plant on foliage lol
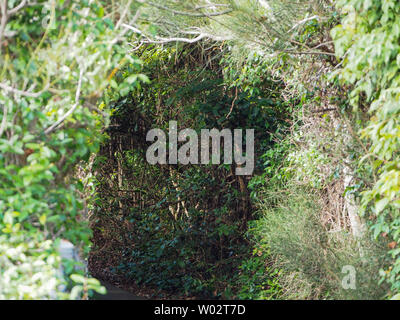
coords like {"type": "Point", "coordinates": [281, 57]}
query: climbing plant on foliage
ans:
{"type": "Point", "coordinates": [368, 42]}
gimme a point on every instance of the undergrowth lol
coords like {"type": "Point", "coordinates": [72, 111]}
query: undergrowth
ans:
{"type": "Point", "coordinates": [304, 258]}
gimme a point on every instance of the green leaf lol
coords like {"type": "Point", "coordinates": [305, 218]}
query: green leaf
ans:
{"type": "Point", "coordinates": [381, 204]}
{"type": "Point", "coordinates": [78, 278]}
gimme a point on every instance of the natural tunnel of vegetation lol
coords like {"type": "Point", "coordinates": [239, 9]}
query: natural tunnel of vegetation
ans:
{"type": "Point", "coordinates": [175, 226]}
{"type": "Point", "coordinates": [212, 149]}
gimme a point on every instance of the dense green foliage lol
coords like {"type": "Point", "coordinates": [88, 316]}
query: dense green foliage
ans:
{"type": "Point", "coordinates": [82, 82]}
{"type": "Point", "coordinates": [369, 39]}
{"type": "Point", "coordinates": [183, 225]}
{"type": "Point", "coordinates": [61, 70]}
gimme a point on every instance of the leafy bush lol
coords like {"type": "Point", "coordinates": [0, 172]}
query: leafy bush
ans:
{"type": "Point", "coordinates": [55, 60]}
{"type": "Point", "coordinates": [28, 269]}
{"type": "Point", "coordinates": [258, 278]}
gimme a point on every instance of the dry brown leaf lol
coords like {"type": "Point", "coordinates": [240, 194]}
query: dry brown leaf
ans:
{"type": "Point", "coordinates": [392, 244]}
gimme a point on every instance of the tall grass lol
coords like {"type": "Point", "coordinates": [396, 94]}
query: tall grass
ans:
{"type": "Point", "coordinates": [310, 256]}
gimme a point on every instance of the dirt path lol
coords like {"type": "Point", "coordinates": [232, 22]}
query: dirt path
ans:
{"type": "Point", "coordinates": [114, 293]}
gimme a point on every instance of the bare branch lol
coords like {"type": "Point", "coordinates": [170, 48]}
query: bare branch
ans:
{"type": "Point", "coordinates": [322, 44]}
{"type": "Point", "coordinates": [310, 52]}
{"type": "Point", "coordinates": [121, 19]}
{"type": "Point", "coordinates": [3, 122]}
{"type": "Point", "coordinates": [70, 111]}
{"type": "Point", "coordinates": [17, 8]}
{"type": "Point", "coordinates": [136, 30]}
{"type": "Point", "coordinates": [161, 40]}
{"type": "Point", "coordinates": [304, 21]}
{"type": "Point", "coordinates": [118, 38]}
{"type": "Point", "coordinates": [324, 110]}
{"type": "Point", "coordinates": [211, 5]}
{"type": "Point", "coordinates": [23, 93]}
{"type": "Point", "coordinates": [183, 13]}
{"type": "Point", "coordinates": [135, 48]}
{"type": "Point", "coordinates": [166, 40]}
{"type": "Point", "coordinates": [4, 18]}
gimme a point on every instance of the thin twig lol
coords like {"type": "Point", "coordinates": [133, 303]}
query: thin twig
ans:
{"type": "Point", "coordinates": [322, 44]}
{"type": "Point", "coordinates": [4, 18]}
{"type": "Point", "coordinates": [160, 40]}
{"type": "Point", "coordinates": [3, 122]}
{"type": "Point", "coordinates": [303, 21]}
{"type": "Point", "coordinates": [65, 116]}
{"type": "Point", "coordinates": [324, 110]}
{"type": "Point", "coordinates": [23, 93]}
{"type": "Point", "coordinates": [124, 31]}
{"type": "Point", "coordinates": [17, 8]}
{"type": "Point", "coordinates": [135, 48]}
{"type": "Point", "coordinates": [123, 14]}
{"type": "Point", "coordinates": [310, 52]}
{"type": "Point", "coordinates": [199, 15]}
{"type": "Point", "coordinates": [233, 103]}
